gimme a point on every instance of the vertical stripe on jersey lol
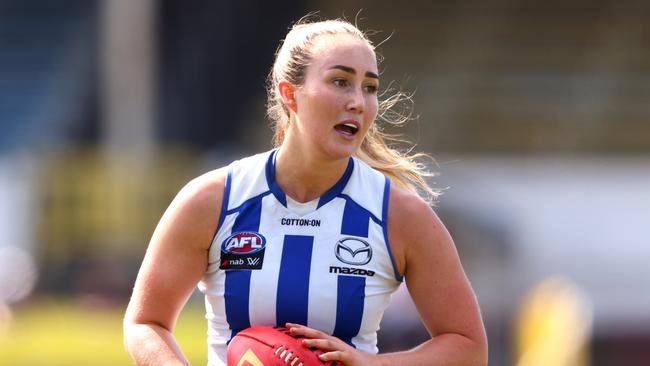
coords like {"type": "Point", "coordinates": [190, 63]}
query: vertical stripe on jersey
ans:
{"type": "Point", "coordinates": [293, 281]}
{"type": "Point", "coordinates": [355, 220]}
{"type": "Point", "coordinates": [384, 226]}
{"type": "Point", "coordinates": [238, 282]}
{"type": "Point", "coordinates": [351, 290]}
{"type": "Point", "coordinates": [350, 295]}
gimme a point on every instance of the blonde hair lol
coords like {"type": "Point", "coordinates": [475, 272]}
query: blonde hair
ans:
{"type": "Point", "coordinates": [291, 61]}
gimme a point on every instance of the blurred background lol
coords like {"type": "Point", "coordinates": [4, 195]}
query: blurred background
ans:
{"type": "Point", "coordinates": [537, 112]}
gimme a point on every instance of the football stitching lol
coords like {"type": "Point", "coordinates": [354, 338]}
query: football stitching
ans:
{"type": "Point", "coordinates": [313, 349]}
{"type": "Point", "coordinates": [281, 351]}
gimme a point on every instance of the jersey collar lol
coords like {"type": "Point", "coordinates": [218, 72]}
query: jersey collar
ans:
{"type": "Point", "coordinates": [325, 198]}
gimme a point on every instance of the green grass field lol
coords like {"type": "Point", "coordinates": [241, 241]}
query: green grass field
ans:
{"type": "Point", "coordinates": [56, 333]}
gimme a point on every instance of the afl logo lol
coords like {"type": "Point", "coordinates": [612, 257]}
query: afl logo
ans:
{"type": "Point", "coordinates": [244, 242]}
{"type": "Point", "coordinates": [353, 251]}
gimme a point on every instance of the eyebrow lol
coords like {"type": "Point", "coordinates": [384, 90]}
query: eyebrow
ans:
{"type": "Point", "coordinates": [353, 71]}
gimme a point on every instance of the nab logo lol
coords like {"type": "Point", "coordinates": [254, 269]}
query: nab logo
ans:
{"type": "Point", "coordinates": [245, 242]}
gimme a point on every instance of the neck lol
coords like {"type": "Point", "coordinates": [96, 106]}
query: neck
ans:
{"type": "Point", "coordinates": [305, 177]}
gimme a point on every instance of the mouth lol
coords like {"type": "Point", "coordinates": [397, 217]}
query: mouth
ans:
{"type": "Point", "coordinates": [347, 128]}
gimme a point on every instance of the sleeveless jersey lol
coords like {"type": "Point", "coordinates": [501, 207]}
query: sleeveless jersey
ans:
{"type": "Point", "coordinates": [325, 264]}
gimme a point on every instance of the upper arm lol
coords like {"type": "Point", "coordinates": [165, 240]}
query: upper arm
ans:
{"type": "Point", "coordinates": [426, 255]}
{"type": "Point", "coordinates": [177, 255]}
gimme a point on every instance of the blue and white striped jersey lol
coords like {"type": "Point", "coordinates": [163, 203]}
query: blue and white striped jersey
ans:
{"type": "Point", "coordinates": [326, 263]}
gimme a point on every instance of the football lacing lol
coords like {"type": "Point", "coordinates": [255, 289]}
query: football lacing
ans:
{"type": "Point", "coordinates": [287, 356]}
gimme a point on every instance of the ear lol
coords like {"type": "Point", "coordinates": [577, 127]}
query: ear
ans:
{"type": "Point", "coordinates": [287, 94]}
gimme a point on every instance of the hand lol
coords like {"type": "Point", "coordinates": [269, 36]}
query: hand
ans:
{"type": "Point", "coordinates": [334, 349]}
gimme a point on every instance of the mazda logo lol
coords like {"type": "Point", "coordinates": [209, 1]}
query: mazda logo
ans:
{"type": "Point", "coordinates": [353, 251]}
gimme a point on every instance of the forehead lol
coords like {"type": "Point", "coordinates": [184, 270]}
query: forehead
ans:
{"type": "Point", "coordinates": [343, 49]}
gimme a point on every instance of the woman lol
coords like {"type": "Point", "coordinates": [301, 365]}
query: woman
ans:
{"type": "Point", "coordinates": [315, 234]}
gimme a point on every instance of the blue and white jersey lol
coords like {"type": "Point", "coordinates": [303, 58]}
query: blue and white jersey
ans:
{"type": "Point", "coordinates": [325, 264]}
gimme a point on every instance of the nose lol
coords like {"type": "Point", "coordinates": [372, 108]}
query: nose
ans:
{"type": "Point", "coordinates": [355, 101]}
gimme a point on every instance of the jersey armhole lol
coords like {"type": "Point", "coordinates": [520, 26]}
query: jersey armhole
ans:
{"type": "Point", "coordinates": [384, 224]}
{"type": "Point", "coordinates": [224, 206]}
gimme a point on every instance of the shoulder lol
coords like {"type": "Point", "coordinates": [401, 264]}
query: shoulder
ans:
{"type": "Point", "coordinates": [408, 208]}
{"type": "Point", "coordinates": [198, 204]}
{"type": "Point", "coordinates": [206, 189]}
{"type": "Point", "coordinates": [194, 212]}
{"type": "Point", "coordinates": [413, 227]}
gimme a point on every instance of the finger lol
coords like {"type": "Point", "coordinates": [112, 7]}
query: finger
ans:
{"type": "Point", "coordinates": [301, 330]}
{"type": "Point", "coordinates": [333, 356]}
{"type": "Point", "coordinates": [296, 326]}
{"type": "Point", "coordinates": [324, 344]}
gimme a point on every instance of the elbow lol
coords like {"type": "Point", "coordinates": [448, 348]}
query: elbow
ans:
{"type": "Point", "coordinates": [479, 352]}
{"type": "Point", "coordinates": [134, 335]}
{"type": "Point", "coordinates": [138, 342]}
{"type": "Point", "coordinates": [127, 336]}
{"type": "Point", "coordinates": [472, 350]}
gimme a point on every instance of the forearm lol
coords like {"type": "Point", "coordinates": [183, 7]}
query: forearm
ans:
{"type": "Point", "coordinates": [445, 349]}
{"type": "Point", "coordinates": [150, 344]}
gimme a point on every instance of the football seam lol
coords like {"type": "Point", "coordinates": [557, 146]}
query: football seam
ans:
{"type": "Point", "coordinates": [257, 339]}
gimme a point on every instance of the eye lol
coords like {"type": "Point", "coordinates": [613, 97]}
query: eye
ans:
{"type": "Point", "coordinates": [372, 89]}
{"type": "Point", "coordinates": [340, 82]}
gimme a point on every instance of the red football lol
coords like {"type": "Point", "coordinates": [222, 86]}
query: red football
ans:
{"type": "Point", "coordinates": [272, 346]}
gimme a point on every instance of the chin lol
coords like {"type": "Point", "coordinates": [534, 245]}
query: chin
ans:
{"type": "Point", "coordinates": [340, 151]}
